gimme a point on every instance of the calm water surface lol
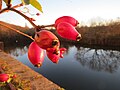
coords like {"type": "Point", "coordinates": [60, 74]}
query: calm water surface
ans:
{"type": "Point", "coordinates": [80, 69]}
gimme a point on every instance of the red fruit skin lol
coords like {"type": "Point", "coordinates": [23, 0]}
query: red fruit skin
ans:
{"type": "Point", "coordinates": [53, 57]}
{"type": "Point", "coordinates": [67, 19]}
{"type": "Point", "coordinates": [35, 54]}
{"type": "Point", "coordinates": [67, 31]}
{"type": "Point", "coordinates": [4, 77]}
{"type": "Point", "coordinates": [45, 39]}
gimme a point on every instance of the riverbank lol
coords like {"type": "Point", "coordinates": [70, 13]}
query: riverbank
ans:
{"type": "Point", "coordinates": [27, 79]}
{"type": "Point", "coordinates": [103, 35]}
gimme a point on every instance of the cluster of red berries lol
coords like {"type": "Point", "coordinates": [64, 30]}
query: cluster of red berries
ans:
{"type": "Point", "coordinates": [46, 40]}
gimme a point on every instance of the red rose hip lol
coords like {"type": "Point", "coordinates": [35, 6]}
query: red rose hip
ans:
{"type": "Point", "coordinates": [67, 19]}
{"type": "Point", "coordinates": [67, 31]}
{"type": "Point", "coordinates": [4, 77]}
{"type": "Point", "coordinates": [46, 39]}
{"type": "Point", "coordinates": [53, 57]}
{"type": "Point", "coordinates": [35, 54]}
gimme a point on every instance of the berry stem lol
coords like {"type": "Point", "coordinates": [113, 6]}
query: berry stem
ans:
{"type": "Point", "coordinates": [43, 26]}
{"type": "Point", "coordinates": [17, 31]}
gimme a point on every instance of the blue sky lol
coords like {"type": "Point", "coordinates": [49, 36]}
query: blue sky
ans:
{"type": "Point", "coordinates": [82, 10]}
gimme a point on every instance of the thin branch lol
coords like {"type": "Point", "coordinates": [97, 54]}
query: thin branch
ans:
{"type": "Point", "coordinates": [26, 17]}
{"type": "Point", "coordinates": [6, 9]}
{"type": "Point", "coordinates": [0, 4]}
{"type": "Point", "coordinates": [29, 19]}
{"type": "Point", "coordinates": [19, 5]}
{"type": "Point", "coordinates": [43, 26]}
{"type": "Point", "coordinates": [17, 31]}
{"type": "Point", "coordinates": [9, 1]}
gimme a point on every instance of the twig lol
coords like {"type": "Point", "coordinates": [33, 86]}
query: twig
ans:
{"type": "Point", "coordinates": [43, 26]}
{"type": "Point", "coordinates": [4, 10]}
{"type": "Point", "coordinates": [29, 19]}
{"type": "Point", "coordinates": [16, 6]}
{"type": "Point", "coordinates": [0, 4]}
{"type": "Point", "coordinates": [19, 5]}
{"type": "Point", "coordinates": [26, 17]}
{"type": "Point", "coordinates": [37, 27]}
{"type": "Point", "coordinates": [17, 31]}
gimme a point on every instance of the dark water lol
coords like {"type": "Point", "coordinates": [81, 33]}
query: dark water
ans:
{"type": "Point", "coordinates": [80, 69]}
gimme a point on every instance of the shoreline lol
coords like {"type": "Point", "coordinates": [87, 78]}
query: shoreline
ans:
{"type": "Point", "coordinates": [26, 77]}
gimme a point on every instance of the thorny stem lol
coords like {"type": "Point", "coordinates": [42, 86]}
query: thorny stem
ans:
{"type": "Point", "coordinates": [17, 31]}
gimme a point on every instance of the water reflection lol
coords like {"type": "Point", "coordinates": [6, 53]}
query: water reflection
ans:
{"type": "Point", "coordinates": [16, 49]}
{"type": "Point", "coordinates": [99, 59]}
{"type": "Point", "coordinates": [81, 68]}
{"type": "Point", "coordinates": [95, 59]}
{"type": "Point", "coordinates": [17, 52]}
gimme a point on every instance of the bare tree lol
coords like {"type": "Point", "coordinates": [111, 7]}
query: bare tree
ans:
{"type": "Point", "coordinates": [99, 59]}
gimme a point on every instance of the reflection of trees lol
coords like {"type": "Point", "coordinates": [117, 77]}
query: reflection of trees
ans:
{"type": "Point", "coordinates": [17, 48]}
{"type": "Point", "coordinates": [18, 51]}
{"type": "Point", "coordinates": [99, 59]}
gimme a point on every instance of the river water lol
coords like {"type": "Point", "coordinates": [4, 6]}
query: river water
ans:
{"type": "Point", "coordinates": [81, 68]}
